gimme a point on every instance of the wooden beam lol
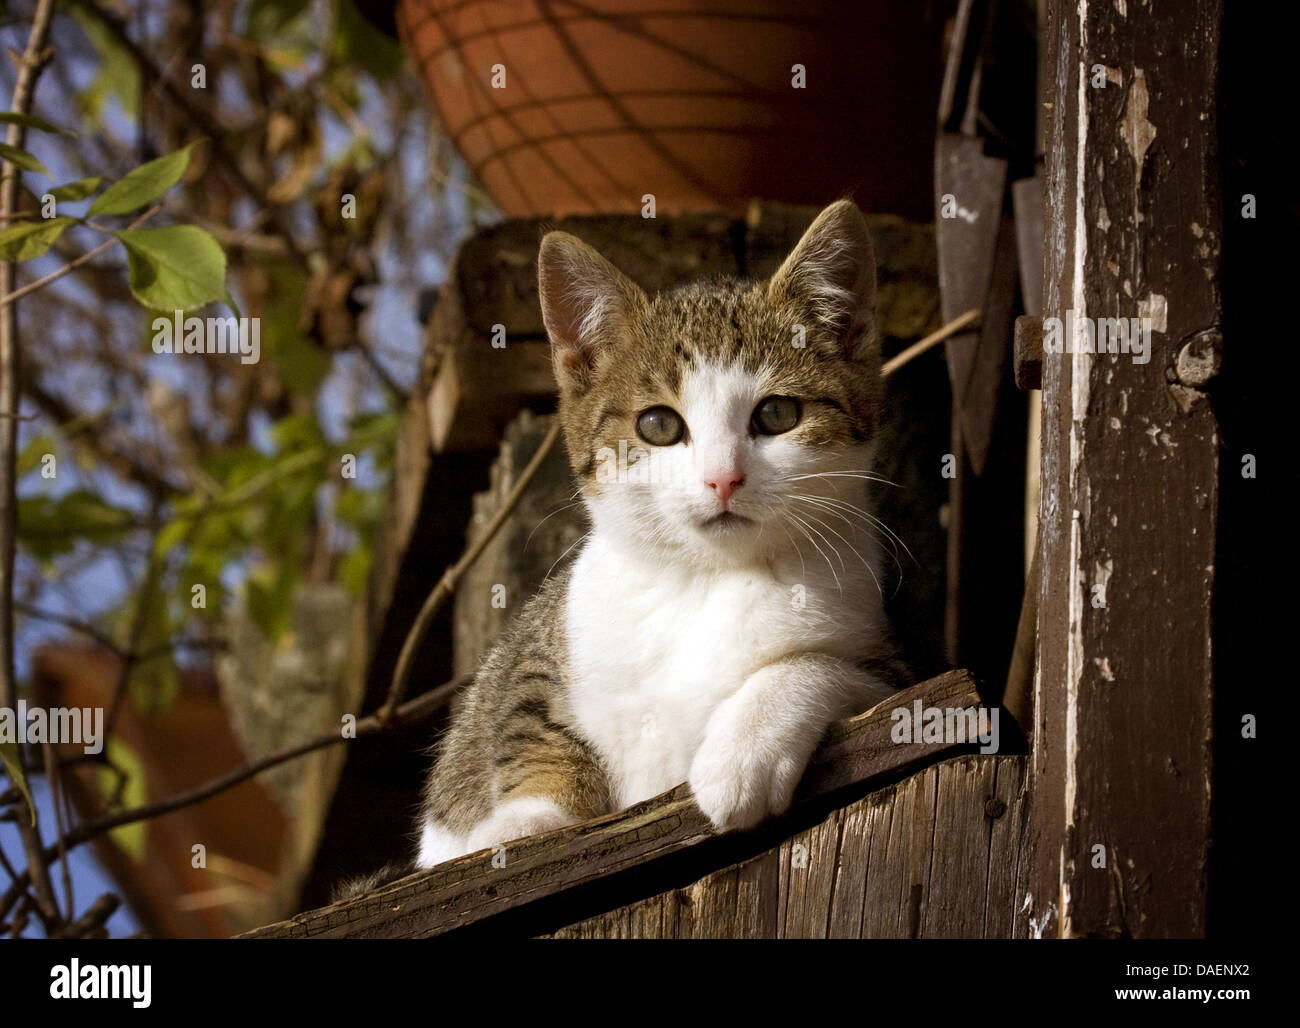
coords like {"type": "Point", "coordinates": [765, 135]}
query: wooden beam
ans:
{"type": "Point", "coordinates": [934, 856]}
{"type": "Point", "coordinates": [1123, 696]}
{"type": "Point", "coordinates": [856, 752]}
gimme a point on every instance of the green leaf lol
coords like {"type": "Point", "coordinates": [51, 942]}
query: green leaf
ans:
{"type": "Point", "coordinates": [143, 185]}
{"type": "Point", "coordinates": [296, 432]}
{"type": "Point", "coordinates": [267, 18]}
{"type": "Point", "coordinates": [354, 572]}
{"type": "Point", "coordinates": [48, 527]}
{"type": "Point", "coordinates": [129, 838]}
{"type": "Point", "coordinates": [31, 121]}
{"type": "Point", "coordinates": [358, 42]}
{"type": "Point", "coordinates": [171, 535]}
{"type": "Point", "coordinates": [14, 768]}
{"type": "Point", "coordinates": [300, 364]}
{"type": "Point", "coordinates": [23, 159]}
{"type": "Point", "coordinates": [117, 76]}
{"type": "Point", "coordinates": [31, 456]}
{"type": "Point", "coordinates": [175, 268]}
{"type": "Point", "coordinates": [270, 599]}
{"type": "Point", "coordinates": [155, 688]}
{"type": "Point", "coordinates": [79, 190]}
{"type": "Point", "coordinates": [31, 239]}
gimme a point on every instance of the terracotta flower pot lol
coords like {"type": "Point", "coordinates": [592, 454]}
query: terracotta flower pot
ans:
{"type": "Point", "coordinates": [564, 107]}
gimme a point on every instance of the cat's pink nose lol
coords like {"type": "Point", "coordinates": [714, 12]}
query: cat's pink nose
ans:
{"type": "Point", "coordinates": [724, 483]}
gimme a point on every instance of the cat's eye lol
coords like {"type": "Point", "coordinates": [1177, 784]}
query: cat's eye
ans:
{"type": "Point", "coordinates": [776, 414]}
{"type": "Point", "coordinates": [660, 426]}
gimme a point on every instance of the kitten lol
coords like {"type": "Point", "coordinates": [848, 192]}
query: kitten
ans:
{"type": "Point", "coordinates": [724, 609]}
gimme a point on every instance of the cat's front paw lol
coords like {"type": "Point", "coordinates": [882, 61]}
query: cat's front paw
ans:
{"type": "Point", "coordinates": [516, 819]}
{"type": "Point", "coordinates": [741, 774]}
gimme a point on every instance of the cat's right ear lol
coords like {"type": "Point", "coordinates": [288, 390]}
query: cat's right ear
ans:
{"type": "Point", "coordinates": [586, 303]}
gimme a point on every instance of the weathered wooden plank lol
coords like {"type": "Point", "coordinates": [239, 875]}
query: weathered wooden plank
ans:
{"type": "Point", "coordinates": [645, 919]}
{"type": "Point", "coordinates": [1008, 810]}
{"type": "Point", "coordinates": [915, 854]}
{"type": "Point", "coordinates": [811, 856]}
{"type": "Point", "coordinates": [849, 892]}
{"type": "Point", "coordinates": [1124, 694]}
{"type": "Point", "coordinates": [959, 881]}
{"type": "Point", "coordinates": [475, 886]}
{"type": "Point", "coordinates": [960, 857]}
{"type": "Point", "coordinates": [882, 894]}
{"type": "Point", "coordinates": [757, 896]}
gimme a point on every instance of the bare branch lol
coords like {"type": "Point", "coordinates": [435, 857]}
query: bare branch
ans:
{"type": "Point", "coordinates": [409, 713]}
{"type": "Point", "coordinates": [75, 263]}
{"type": "Point", "coordinates": [452, 576]}
{"type": "Point", "coordinates": [30, 64]}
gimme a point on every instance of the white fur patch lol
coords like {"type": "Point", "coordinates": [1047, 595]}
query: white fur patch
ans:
{"type": "Point", "coordinates": [516, 819]}
{"type": "Point", "coordinates": [437, 845]}
{"type": "Point", "coordinates": [670, 619]}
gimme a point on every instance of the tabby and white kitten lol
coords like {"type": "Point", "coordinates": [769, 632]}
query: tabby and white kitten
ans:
{"type": "Point", "coordinates": [724, 609]}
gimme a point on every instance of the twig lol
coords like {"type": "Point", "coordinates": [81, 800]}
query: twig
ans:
{"type": "Point", "coordinates": [76, 262]}
{"type": "Point", "coordinates": [202, 120]}
{"type": "Point", "coordinates": [409, 713]}
{"type": "Point", "coordinates": [83, 431]}
{"type": "Point", "coordinates": [30, 64]}
{"type": "Point", "coordinates": [8, 869]}
{"type": "Point", "coordinates": [148, 583]}
{"type": "Point", "coordinates": [88, 630]}
{"type": "Point", "coordinates": [56, 795]}
{"type": "Point", "coordinates": [90, 925]}
{"type": "Point", "coordinates": [933, 339]}
{"type": "Point", "coordinates": [452, 576]}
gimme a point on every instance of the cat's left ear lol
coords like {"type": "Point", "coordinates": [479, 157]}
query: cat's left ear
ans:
{"type": "Point", "coordinates": [586, 304]}
{"type": "Point", "coordinates": [830, 276]}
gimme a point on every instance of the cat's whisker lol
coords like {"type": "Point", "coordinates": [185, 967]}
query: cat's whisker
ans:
{"type": "Point", "coordinates": [806, 528]}
{"type": "Point", "coordinates": [585, 535]}
{"type": "Point", "coordinates": [833, 548]}
{"type": "Point", "coordinates": [866, 524]}
{"type": "Point", "coordinates": [893, 536]}
{"type": "Point", "coordinates": [803, 570]}
{"type": "Point", "coordinates": [558, 510]}
{"type": "Point", "coordinates": [852, 549]}
{"type": "Point", "coordinates": [869, 476]}
{"type": "Point", "coordinates": [870, 522]}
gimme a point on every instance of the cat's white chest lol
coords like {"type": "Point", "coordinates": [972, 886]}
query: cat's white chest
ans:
{"type": "Point", "coordinates": [653, 651]}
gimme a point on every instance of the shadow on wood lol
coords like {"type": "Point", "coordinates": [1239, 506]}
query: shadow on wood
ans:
{"type": "Point", "coordinates": [546, 882]}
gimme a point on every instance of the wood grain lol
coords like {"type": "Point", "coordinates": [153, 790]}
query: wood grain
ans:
{"type": "Point", "coordinates": [856, 752]}
{"type": "Point", "coordinates": [1130, 477]}
{"type": "Point", "coordinates": [934, 856]}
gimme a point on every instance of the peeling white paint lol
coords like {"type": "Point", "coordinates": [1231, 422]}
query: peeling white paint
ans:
{"type": "Point", "coordinates": [1103, 666]}
{"type": "Point", "coordinates": [1101, 572]}
{"type": "Point", "coordinates": [1081, 368]}
{"type": "Point", "coordinates": [1155, 308]}
{"type": "Point", "coordinates": [1137, 132]}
